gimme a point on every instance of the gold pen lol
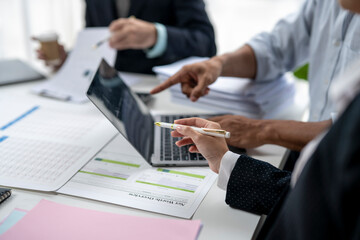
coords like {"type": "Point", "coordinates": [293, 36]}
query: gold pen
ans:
{"type": "Point", "coordinates": [206, 131]}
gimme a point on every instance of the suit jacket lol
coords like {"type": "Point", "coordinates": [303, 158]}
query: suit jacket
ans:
{"type": "Point", "coordinates": [325, 202]}
{"type": "Point", "coordinates": [189, 30]}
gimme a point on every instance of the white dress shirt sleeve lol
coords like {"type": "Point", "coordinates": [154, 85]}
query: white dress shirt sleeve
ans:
{"type": "Point", "coordinates": [286, 46]}
{"type": "Point", "coordinates": [333, 116]}
{"type": "Point", "coordinates": [227, 165]}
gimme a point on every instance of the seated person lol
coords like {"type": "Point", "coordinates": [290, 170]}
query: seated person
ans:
{"type": "Point", "coordinates": [321, 33]}
{"type": "Point", "coordinates": [320, 199]}
{"type": "Point", "coordinates": [159, 31]}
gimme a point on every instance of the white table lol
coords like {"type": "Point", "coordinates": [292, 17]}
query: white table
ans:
{"type": "Point", "coordinates": [219, 220]}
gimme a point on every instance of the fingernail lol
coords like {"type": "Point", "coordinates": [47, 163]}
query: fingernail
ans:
{"type": "Point", "coordinates": [179, 128]}
{"type": "Point", "coordinates": [193, 98]}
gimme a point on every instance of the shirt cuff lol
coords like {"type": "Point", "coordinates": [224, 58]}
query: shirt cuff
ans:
{"type": "Point", "coordinates": [227, 165]}
{"type": "Point", "coordinates": [264, 70]}
{"type": "Point", "coordinates": [333, 116]}
{"type": "Point", "coordinates": [160, 46]}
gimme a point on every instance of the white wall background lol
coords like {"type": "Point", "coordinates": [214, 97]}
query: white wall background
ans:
{"type": "Point", "coordinates": [21, 19]}
{"type": "Point", "coordinates": [235, 21]}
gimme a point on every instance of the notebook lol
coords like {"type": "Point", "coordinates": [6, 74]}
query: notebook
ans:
{"type": "Point", "coordinates": [125, 110]}
{"type": "Point", "coordinates": [4, 194]}
{"type": "Point", "coordinates": [15, 71]}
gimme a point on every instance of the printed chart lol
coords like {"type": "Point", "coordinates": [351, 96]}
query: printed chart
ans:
{"type": "Point", "coordinates": [127, 179]}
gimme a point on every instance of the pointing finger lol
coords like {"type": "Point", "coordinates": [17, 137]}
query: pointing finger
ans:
{"type": "Point", "coordinates": [168, 83]}
{"type": "Point", "coordinates": [199, 90]}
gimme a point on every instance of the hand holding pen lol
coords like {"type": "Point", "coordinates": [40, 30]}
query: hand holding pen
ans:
{"type": "Point", "coordinates": [206, 131]}
{"type": "Point", "coordinates": [130, 33]}
{"type": "Point", "coordinates": [212, 148]}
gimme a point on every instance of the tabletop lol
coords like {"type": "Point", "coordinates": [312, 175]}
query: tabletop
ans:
{"type": "Point", "coordinates": [219, 220]}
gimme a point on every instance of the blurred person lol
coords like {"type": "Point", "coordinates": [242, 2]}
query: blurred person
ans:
{"type": "Point", "coordinates": [149, 33]}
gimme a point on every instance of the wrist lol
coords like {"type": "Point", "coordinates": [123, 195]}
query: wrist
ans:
{"type": "Point", "coordinates": [215, 157]}
{"type": "Point", "coordinates": [267, 133]}
{"type": "Point", "coordinates": [217, 63]}
{"type": "Point", "coordinates": [220, 157]}
{"type": "Point", "coordinates": [153, 36]}
{"type": "Point", "coordinates": [160, 42]}
{"type": "Point", "coordinates": [220, 61]}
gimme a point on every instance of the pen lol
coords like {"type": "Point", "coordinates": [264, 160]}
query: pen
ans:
{"type": "Point", "coordinates": [98, 44]}
{"type": "Point", "coordinates": [206, 131]}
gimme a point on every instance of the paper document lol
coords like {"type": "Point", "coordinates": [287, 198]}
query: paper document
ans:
{"type": "Point", "coordinates": [42, 147]}
{"type": "Point", "coordinates": [50, 220]}
{"type": "Point", "coordinates": [72, 80]}
{"type": "Point", "coordinates": [121, 176]}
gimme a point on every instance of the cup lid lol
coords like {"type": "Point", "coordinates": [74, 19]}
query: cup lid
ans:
{"type": "Point", "coordinates": [47, 37]}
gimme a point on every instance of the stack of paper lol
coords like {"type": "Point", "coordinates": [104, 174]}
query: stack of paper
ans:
{"type": "Point", "coordinates": [235, 95]}
{"type": "Point", "coordinates": [50, 220]}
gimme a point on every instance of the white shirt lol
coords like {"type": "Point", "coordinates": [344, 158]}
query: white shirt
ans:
{"type": "Point", "coordinates": [341, 93]}
{"type": "Point", "coordinates": [321, 33]}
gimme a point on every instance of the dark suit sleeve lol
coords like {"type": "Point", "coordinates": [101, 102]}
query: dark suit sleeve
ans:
{"type": "Point", "coordinates": [88, 20]}
{"type": "Point", "coordinates": [255, 186]}
{"type": "Point", "coordinates": [100, 13]}
{"type": "Point", "coordinates": [192, 34]}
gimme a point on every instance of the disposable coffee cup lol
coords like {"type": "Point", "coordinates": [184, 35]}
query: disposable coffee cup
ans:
{"type": "Point", "coordinates": [50, 47]}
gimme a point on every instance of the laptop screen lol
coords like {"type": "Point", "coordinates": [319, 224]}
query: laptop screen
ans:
{"type": "Point", "coordinates": [123, 108]}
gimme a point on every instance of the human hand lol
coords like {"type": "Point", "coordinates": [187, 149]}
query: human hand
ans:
{"type": "Point", "coordinates": [132, 33]}
{"type": "Point", "coordinates": [62, 56]}
{"type": "Point", "coordinates": [245, 132]}
{"type": "Point", "coordinates": [194, 78]}
{"type": "Point", "coordinates": [212, 148]}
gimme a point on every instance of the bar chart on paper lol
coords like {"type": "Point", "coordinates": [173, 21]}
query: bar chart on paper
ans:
{"type": "Point", "coordinates": [128, 180]}
{"type": "Point", "coordinates": [110, 168]}
{"type": "Point", "coordinates": [176, 180]}
{"type": "Point", "coordinates": [42, 147]}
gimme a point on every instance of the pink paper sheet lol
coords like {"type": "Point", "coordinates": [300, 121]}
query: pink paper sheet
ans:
{"type": "Point", "coordinates": [53, 221]}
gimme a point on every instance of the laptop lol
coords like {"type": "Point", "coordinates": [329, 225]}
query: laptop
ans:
{"type": "Point", "coordinates": [132, 118]}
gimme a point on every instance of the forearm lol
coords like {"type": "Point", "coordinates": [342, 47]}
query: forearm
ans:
{"type": "Point", "coordinates": [293, 135]}
{"type": "Point", "coordinates": [240, 63]}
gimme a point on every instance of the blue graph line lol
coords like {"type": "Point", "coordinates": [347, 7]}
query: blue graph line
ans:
{"type": "Point", "coordinates": [19, 118]}
{"type": "Point", "coordinates": [3, 138]}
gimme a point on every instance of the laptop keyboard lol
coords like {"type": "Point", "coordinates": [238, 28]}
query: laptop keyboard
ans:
{"type": "Point", "coordinates": [169, 151]}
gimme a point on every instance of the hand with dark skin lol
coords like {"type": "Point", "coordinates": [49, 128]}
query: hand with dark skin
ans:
{"type": "Point", "coordinates": [196, 78]}
{"type": "Point", "coordinates": [251, 133]}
